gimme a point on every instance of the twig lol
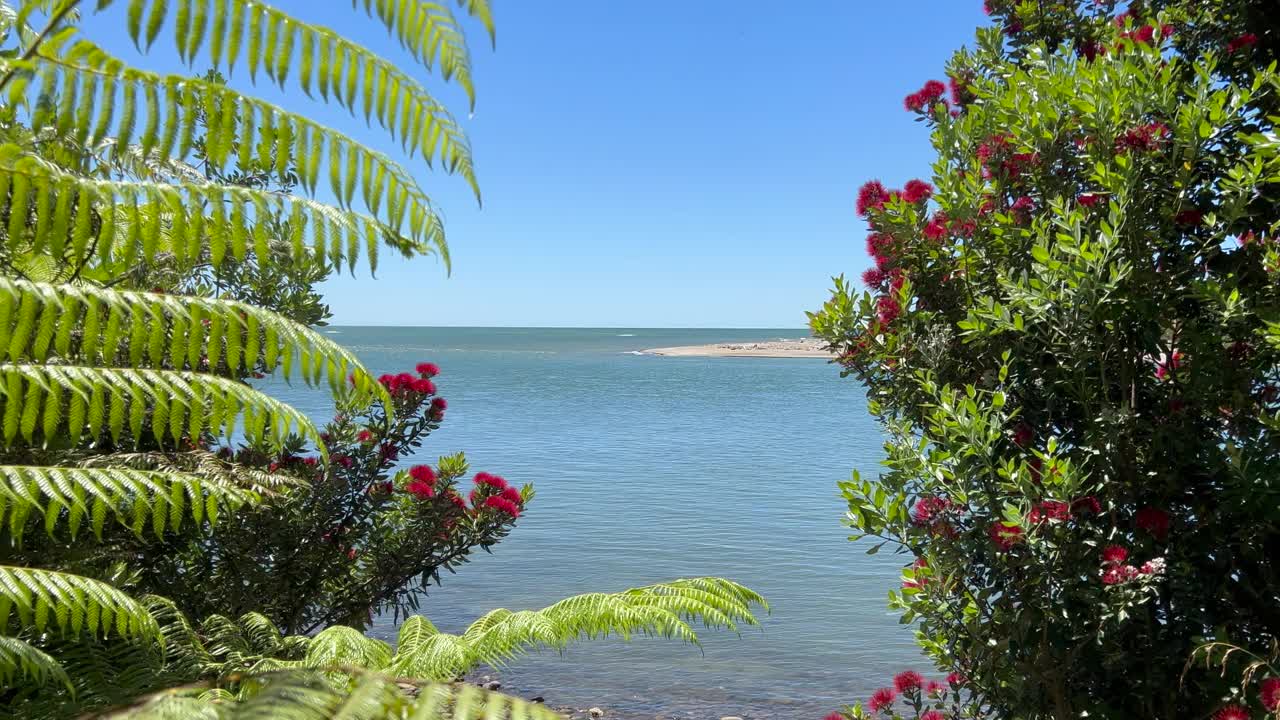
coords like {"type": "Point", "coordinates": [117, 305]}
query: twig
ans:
{"type": "Point", "coordinates": [54, 21]}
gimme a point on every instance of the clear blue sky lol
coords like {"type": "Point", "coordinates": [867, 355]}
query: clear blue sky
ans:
{"type": "Point", "coordinates": [682, 163]}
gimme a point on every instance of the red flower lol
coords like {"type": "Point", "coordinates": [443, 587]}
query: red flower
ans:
{"type": "Point", "coordinates": [428, 369]}
{"type": "Point", "coordinates": [834, 716]}
{"type": "Point", "coordinates": [388, 451]}
{"type": "Point", "coordinates": [879, 245]}
{"type": "Point", "coordinates": [935, 688]}
{"type": "Point", "coordinates": [1022, 208]}
{"type": "Point", "coordinates": [907, 680]}
{"type": "Point", "coordinates": [873, 277]}
{"type": "Point", "coordinates": [351, 554]}
{"type": "Point", "coordinates": [1146, 138]}
{"type": "Point", "coordinates": [1022, 435]}
{"type": "Point", "coordinates": [1238, 43]}
{"type": "Point", "coordinates": [364, 436]}
{"type": "Point", "coordinates": [439, 404]}
{"type": "Point", "coordinates": [343, 460]}
{"type": "Point", "coordinates": [512, 495]}
{"type": "Point", "coordinates": [1049, 510]}
{"type": "Point", "coordinates": [1232, 712]}
{"type": "Point", "coordinates": [881, 699]}
{"type": "Point", "coordinates": [1114, 555]}
{"type": "Point", "coordinates": [928, 509]}
{"type": "Point", "coordinates": [421, 489]}
{"type": "Point", "coordinates": [887, 310]}
{"type": "Point", "coordinates": [932, 715]}
{"type": "Point", "coordinates": [503, 505]}
{"type": "Point", "coordinates": [1087, 503]}
{"type": "Point", "coordinates": [871, 197]}
{"type": "Point", "coordinates": [1089, 199]}
{"type": "Point", "coordinates": [493, 481]}
{"type": "Point", "coordinates": [955, 679]}
{"type": "Point", "coordinates": [1004, 536]}
{"type": "Point", "coordinates": [423, 473]}
{"type": "Point", "coordinates": [1167, 366]}
{"type": "Point", "coordinates": [457, 500]}
{"type": "Point", "coordinates": [1189, 217]}
{"type": "Point", "coordinates": [916, 191]}
{"type": "Point", "coordinates": [926, 97]}
{"type": "Point", "coordinates": [423, 386]}
{"type": "Point", "coordinates": [1270, 694]}
{"type": "Point", "coordinates": [1153, 520]}
{"type": "Point", "coordinates": [1111, 576]}
{"type": "Point", "coordinates": [937, 228]}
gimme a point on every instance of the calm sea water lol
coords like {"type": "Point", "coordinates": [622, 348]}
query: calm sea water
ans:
{"type": "Point", "coordinates": [650, 468]}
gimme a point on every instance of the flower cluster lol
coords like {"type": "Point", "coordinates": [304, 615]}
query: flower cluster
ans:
{"type": "Point", "coordinates": [1144, 138]}
{"type": "Point", "coordinates": [923, 699]}
{"type": "Point", "coordinates": [494, 493]}
{"type": "Point", "coordinates": [926, 98]}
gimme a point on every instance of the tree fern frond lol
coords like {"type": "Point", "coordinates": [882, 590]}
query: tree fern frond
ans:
{"type": "Point", "coordinates": [203, 464]}
{"type": "Point", "coordinates": [255, 131]}
{"type": "Point", "coordinates": [341, 646]}
{"type": "Point", "coordinates": [238, 334]}
{"type": "Point", "coordinates": [31, 598]}
{"type": "Point", "coordinates": [358, 78]}
{"type": "Point", "coordinates": [664, 610]}
{"type": "Point", "coordinates": [20, 661]}
{"type": "Point", "coordinates": [125, 219]}
{"type": "Point", "coordinates": [480, 10]}
{"type": "Point", "coordinates": [135, 498]}
{"type": "Point", "coordinates": [121, 402]}
{"type": "Point", "coordinates": [308, 695]}
{"type": "Point", "coordinates": [431, 33]}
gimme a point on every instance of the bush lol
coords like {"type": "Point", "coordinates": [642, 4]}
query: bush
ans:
{"type": "Point", "coordinates": [1071, 339]}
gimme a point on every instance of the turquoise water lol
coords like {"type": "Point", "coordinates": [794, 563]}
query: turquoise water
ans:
{"type": "Point", "coordinates": [650, 468]}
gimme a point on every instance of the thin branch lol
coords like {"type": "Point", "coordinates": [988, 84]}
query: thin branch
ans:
{"type": "Point", "coordinates": [54, 21]}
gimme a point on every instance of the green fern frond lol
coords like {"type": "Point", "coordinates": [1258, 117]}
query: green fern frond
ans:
{"type": "Point", "coordinates": [201, 463]}
{"type": "Point", "coordinates": [246, 129]}
{"type": "Point", "coordinates": [20, 661]}
{"type": "Point", "coordinates": [108, 220]}
{"type": "Point", "coordinates": [41, 600]}
{"type": "Point", "coordinates": [480, 10]}
{"type": "Point", "coordinates": [41, 320]}
{"type": "Point", "coordinates": [321, 59]}
{"type": "Point", "coordinates": [74, 403]}
{"type": "Point", "coordinates": [74, 495]}
{"type": "Point", "coordinates": [341, 646]}
{"type": "Point", "coordinates": [430, 32]}
{"type": "Point", "coordinates": [664, 610]}
{"type": "Point", "coordinates": [303, 695]}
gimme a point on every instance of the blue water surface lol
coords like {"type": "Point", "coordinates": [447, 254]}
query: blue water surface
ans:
{"type": "Point", "coordinates": [650, 468]}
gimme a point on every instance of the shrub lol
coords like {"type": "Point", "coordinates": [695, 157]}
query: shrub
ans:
{"type": "Point", "coordinates": [1071, 341]}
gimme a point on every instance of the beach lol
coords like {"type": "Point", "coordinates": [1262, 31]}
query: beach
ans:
{"type": "Point", "coordinates": [805, 348]}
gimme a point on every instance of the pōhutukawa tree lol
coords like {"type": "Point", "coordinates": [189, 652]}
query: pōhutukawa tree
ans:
{"type": "Point", "coordinates": [128, 427]}
{"type": "Point", "coordinates": [1071, 336]}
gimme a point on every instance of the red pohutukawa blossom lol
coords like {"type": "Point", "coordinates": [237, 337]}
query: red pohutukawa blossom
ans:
{"type": "Point", "coordinates": [1269, 694]}
{"type": "Point", "coordinates": [423, 386]}
{"type": "Point", "coordinates": [916, 191]}
{"type": "Point", "coordinates": [929, 509]}
{"type": "Point", "coordinates": [1168, 365]}
{"type": "Point", "coordinates": [1022, 435]}
{"type": "Point", "coordinates": [423, 473]}
{"type": "Point", "coordinates": [887, 310]}
{"type": "Point", "coordinates": [932, 715]}
{"type": "Point", "coordinates": [881, 699]}
{"type": "Point", "coordinates": [388, 451]}
{"type": "Point", "coordinates": [364, 436]}
{"type": "Point", "coordinates": [1189, 217]}
{"type": "Point", "coordinates": [1089, 199]}
{"type": "Point", "coordinates": [907, 680]}
{"type": "Point", "coordinates": [428, 369]}
{"type": "Point", "coordinates": [926, 97]}
{"type": "Point", "coordinates": [834, 716]}
{"type": "Point", "coordinates": [955, 679]}
{"type": "Point", "coordinates": [935, 688]}
{"type": "Point", "coordinates": [936, 230]}
{"type": "Point", "coordinates": [493, 481]}
{"type": "Point", "coordinates": [1049, 510]}
{"type": "Point", "coordinates": [421, 489]}
{"type": "Point", "coordinates": [873, 277]}
{"type": "Point", "coordinates": [1240, 42]}
{"type": "Point", "coordinates": [961, 95]}
{"type": "Point", "coordinates": [871, 196]}
{"type": "Point", "coordinates": [1232, 712]}
{"type": "Point", "coordinates": [1154, 521]}
{"type": "Point", "coordinates": [1022, 209]}
{"type": "Point", "coordinates": [1004, 536]}
{"type": "Point", "coordinates": [512, 495]}
{"type": "Point", "coordinates": [1145, 138]}
{"type": "Point", "coordinates": [1114, 555]}
{"type": "Point", "coordinates": [502, 504]}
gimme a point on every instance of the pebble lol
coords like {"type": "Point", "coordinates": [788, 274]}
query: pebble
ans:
{"type": "Point", "coordinates": [595, 712]}
{"type": "Point", "coordinates": [493, 685]}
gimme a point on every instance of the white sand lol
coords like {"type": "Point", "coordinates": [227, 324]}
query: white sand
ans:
{"type": "Point", "coordinates": [808, 347]}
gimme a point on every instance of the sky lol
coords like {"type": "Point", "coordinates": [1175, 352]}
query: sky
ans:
{"type": "Point", "coordinates": [667, 163]}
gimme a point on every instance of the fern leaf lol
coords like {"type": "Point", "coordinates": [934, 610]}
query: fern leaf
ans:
{"type": "Point", "coordinates": [215, 404]}
{"type": "Point", "coordinates": [20, 661]}
{"type": "Point", "coordinates": [77, 604]}
{"type": "Point", "coordinates": [65, 494]}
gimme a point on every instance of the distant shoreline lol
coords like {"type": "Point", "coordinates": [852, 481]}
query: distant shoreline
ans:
{"type": "Point", "coordinates": [806, 348]}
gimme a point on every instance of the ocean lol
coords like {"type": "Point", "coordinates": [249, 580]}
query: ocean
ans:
{"type": "Point", "coordinates": [650, 468]}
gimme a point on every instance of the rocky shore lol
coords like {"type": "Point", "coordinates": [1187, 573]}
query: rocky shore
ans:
{"type": "Point", "coordinates": [490, 682]}
{"type": "Point", "coordinates": [801, 348]}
